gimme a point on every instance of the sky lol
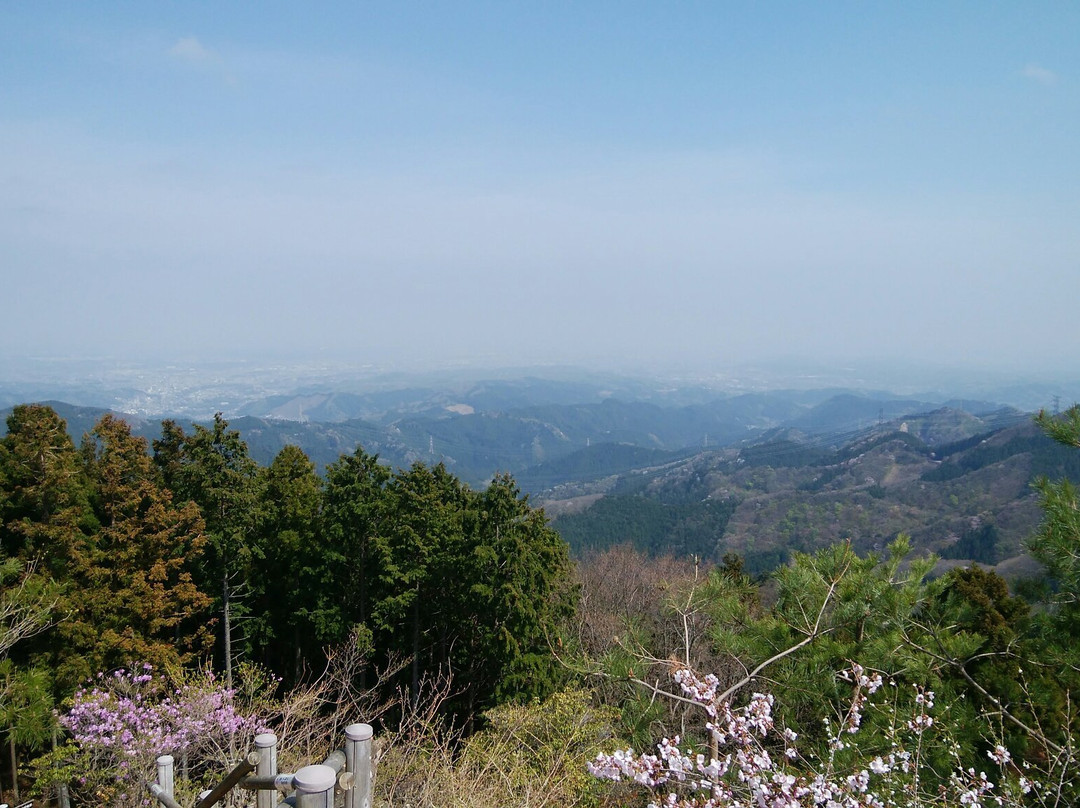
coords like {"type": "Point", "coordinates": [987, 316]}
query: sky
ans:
{"type": "Point", "coordinates": [666, 184]}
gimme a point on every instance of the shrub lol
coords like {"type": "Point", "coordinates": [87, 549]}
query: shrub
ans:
{"type": "Point", "coordinates": [746, 760]}
{"type": "Point", "coordinates": [126, 719]}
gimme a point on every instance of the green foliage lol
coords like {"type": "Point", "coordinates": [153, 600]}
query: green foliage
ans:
{"type": "Point", "coordinates": [834, 607]}
{"type": "Point", "coordinates": [979, 544]}
{"type": "Point", "coordinates": [285, 551]}
{"type": "Point", "coordinates": [979, 602]}
{"type": "Point", "coordinates": [431, 578]}
{"type": "Point", "coordinates": [1057, 541]}
{"type": "Point", "coordinates": [961, 635]}
{"type": "Point", "coordinates": [354, 512]}
{"type": "Point", "coordinates": [532, 754]}
{"type": "Point", "coordinates": [453, 580]}
{"type": "Point", "coordinates": [1064, 428]}
{"type": "Point", "coordinates": [474, 583]}
{"type": "Point", "coordinates": [662, 523]}
{"type": "Point", "coordinates": [44, 504]}
{"type": "Point", "coordinates": [520, 595]}
{"type": "Point", "coordinates": [212, 468]}
{"type": "Point", "coordinates": [469, 584]}
{"type": "Point", "coordinates": [58, 767]}
{"type": "Point", "coordinates": [542, 748]}
{"type": "Point", "coordinates": [26, 704]}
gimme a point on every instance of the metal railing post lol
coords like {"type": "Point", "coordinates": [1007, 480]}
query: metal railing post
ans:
{"type": "Point", "coordinates": [266, 745]}
{"type": "Point", "coordinates": [315, 787]}
{"type": "Point", "coordinates": [165, 775]}
{"type": "Point", "coordinates": [358, 763]}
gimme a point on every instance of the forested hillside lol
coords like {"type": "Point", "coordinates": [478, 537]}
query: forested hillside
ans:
{"type": "Point", "coordinates": [967, 499]}
{"type": "Point", "coordinates": [176, 595]}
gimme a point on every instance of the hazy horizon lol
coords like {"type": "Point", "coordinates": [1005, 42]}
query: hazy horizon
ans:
{"type": "Point", "coordinates": [184, 387]}
{"type": "Point", "coordinates": [609, 185]}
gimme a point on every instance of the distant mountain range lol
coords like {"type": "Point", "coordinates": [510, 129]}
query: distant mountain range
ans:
{"type": "Point", "coordinates": [550, 444]}
{"type": "Point", "coordinates": [762, 474]}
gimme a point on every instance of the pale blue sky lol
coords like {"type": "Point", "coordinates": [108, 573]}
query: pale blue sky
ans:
{"type": "Point", "coordinates": [617, 182]}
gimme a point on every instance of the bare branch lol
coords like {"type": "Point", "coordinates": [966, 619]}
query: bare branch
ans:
{"type": "Point", "coordinates": [26, 608]}
{"type": "Point", "coordinates": [959, 666]}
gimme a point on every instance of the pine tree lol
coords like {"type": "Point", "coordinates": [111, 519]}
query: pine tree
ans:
{"type": "Point", "coordinates": [1057, 542]}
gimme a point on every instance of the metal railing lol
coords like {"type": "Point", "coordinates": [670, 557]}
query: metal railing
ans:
{"type": "Point", "coordinates": [346, 771]}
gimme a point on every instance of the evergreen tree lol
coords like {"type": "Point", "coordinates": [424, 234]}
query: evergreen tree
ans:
{"type": "Point", "coordinates": [460, 583]}
{"type": "Point", "coordinates": [99, 524]}
{"type": "Point", "coordinates": [519, 594]}
{"type": "Point", "coordinates": [132, 596]}
{"type": "Point", "coordinates": [355, 511]}
{"type": "Point", "coordinates": [211, 467]}
{"type": "Point", "coordinates": [412, 560]}
{"type": "Point", "coordinates": [285, 561]}
{"type": "Point", "coordinates": [26, 711]}
{"type": "Point", "coordinates": [1057, 542]}
{"type": "Point", "coordinates": [44, 512]}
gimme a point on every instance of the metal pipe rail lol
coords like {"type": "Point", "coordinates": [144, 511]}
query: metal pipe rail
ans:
{"type": "Point", "coordinates": [348, 771]}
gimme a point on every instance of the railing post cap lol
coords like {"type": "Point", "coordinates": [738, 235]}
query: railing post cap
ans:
{"type": "Point", "coordinates": [359, 732]}
{"type": "Point", "coordinates": [314, 779]}
{"type": "Point", "coordinates": [265, 739]}
{"type": "Point", "coordinates": [164, 760]}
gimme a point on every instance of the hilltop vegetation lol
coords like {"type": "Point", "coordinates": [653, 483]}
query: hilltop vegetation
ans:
{"type": "Point", "coordinates": [196, 554]}
{"type": "Point", "coordinates": [454, 619]}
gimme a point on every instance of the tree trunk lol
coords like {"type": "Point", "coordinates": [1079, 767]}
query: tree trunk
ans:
{"type": "Point", "coordinates": [228, 631]}
{"type": "Point", "coordinates": [363, 605]}
{"type": "Point", "coordinates": [297, 656]}
{"type": "Point", "coordinates": [14, 768]}
{"type": "Point", "coordinates": [416, 652]}
{"type": "Point", "coordinates": [63, 797]}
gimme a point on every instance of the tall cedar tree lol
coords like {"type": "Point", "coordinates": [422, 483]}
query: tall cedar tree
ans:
{"type": "Point", "coordinates": [101, 526]}
{"type": "Point", "coordinates": [286, 553]}
{"type": "Point", "coordinates": [411, 609]}
{"type": "Point", "coordinates": [355, 511]}
{"type": "Point", "coordinates": [211, 467]}
{"type": "Point", "coordinates": [138, 600]}
{"type": "Point", "coordinates": [44, 512]}
{"type": "Point", "coordinates": [520, 591]}
{"type": "Point", "coordinates": [46, 520]}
